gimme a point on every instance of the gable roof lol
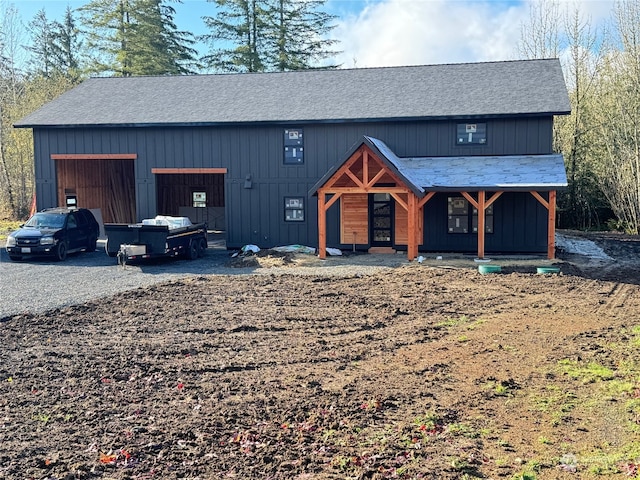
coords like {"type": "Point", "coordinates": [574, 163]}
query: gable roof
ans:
{"type": "Point", "coordinates": [525, 87]}
{"type": "Point", "coordinates": [489, 173]}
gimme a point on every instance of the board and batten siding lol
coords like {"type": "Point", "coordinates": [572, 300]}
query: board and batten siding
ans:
{"type": "Point", "coordinates": [520, 226]}
{"type": "Point", "coordinates": [256, 214]}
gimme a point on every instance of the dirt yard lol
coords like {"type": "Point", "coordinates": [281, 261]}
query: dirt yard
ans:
{"type": "Point", "coordinates": [427, 371]}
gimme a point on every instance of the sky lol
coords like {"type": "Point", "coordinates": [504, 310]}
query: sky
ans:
{"type": "Point", "coordinates": [375, 33]}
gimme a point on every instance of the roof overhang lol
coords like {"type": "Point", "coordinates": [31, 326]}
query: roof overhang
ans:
{"type": "Point", "coordinates": [466, 173]}
{"type": "Point", "coordinates": [286, 122]}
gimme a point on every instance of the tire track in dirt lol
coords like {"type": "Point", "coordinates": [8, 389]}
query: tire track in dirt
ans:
{"type": "Point", "coordinates": [618, 296]}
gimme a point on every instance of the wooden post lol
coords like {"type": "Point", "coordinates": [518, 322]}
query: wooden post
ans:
{"type": "Point", "coordinates": [322, 225]}
{"type": "Point", "coordinates": [550, 205]}
{"type": "Point", "coordinates": [412, 217]}
{"type": "Point", "coordinates": [481, 223]}
{"type": "Point", "coordinates": [551, 238]}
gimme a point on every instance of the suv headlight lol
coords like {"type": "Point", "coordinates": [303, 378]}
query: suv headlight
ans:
{"type": "Point", "coordinates": [11, 241]}
{"type": "Point", "coordinates": [47, 240]}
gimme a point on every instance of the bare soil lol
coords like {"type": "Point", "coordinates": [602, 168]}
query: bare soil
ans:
{"type": "Point", "coordinates": [422, 370]}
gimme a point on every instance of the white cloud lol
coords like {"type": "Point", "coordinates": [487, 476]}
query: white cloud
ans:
{"type": "Point", "coordinates": [414, 32]}
{"type": "Point", "coordinates": [410, 32]}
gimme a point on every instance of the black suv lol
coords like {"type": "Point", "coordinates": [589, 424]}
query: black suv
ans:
{"type": "Point", "coordinates": [54, 231]}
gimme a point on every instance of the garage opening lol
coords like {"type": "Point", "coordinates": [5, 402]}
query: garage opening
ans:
{"type": "Point", "coordinates": [98, 182]}
{"type": "Point", "coordinates": [194, 193]}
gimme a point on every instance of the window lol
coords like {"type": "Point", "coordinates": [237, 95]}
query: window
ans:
{"type": "Point", "coordinates": [471, 134]}
{"type": "Point", "coordinates": [72, 222]}
{"type": "Point", "coordinates": [293, 146]}
{"type": "Point", "coordinates": [488, 220]}
{"type": "Point", "coordinates": [81, 217]}
{"type": "Point", "coordinates": [458, 216]}
{"type": "Point", "coordinates": [199, 199]}
{"type": "Point", "coordinates": [294, 209]}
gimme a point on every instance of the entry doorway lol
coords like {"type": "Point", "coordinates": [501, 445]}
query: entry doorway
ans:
{"type": "Point", "coordinates": [381, 214]}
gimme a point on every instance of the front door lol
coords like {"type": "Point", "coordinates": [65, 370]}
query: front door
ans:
{"type": "Point", "coordinates": [381, 219]}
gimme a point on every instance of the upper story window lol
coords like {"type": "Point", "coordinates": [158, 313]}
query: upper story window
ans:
{"type": "Point", "coordinates": [293, 146]}
{"type": "Point", "coordinates": [471, 134]}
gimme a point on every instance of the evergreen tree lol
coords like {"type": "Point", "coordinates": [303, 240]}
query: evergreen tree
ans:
{"type": "Point", "coordinates": [137, 37]}
{"type": "Point", "coordinates": [240, 27]}
{"type": "Point", "coordinates": [157, 46]}
{"type": "Point", "coordinates": [67, 46]}
{"type": "Point", "coordinates": [107, 28]}
{"type": "Point", "coordinates": [268, 35]}
{"type": "Point", "coordinates": [42, 61]}
{"type": "Point", "coordinates": [298, 35]}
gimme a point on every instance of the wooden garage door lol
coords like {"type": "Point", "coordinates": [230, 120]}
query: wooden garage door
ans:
{"type": "Point", "coordinates": [99, 183]}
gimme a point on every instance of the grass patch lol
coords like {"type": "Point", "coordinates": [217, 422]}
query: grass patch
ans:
{"type": "Point", "coordinates": [8, 226]}
{"type": "Point", "coordinates": [453, 322]}
{"type": "Point", "coordinates": [589, 373]}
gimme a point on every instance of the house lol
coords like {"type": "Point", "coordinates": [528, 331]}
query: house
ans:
{"type": "Point", "coordinates": [451, 157]}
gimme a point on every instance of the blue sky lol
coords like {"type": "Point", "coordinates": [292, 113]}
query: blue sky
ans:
{"type": "Point", "coordinates": [394, 32]}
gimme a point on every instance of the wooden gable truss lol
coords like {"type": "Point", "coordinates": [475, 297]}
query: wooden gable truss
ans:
{"type": "Point", "coordinates": [365, 173]}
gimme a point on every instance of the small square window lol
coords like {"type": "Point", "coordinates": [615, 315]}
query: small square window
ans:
{"type": "Point", "coordinates": [199, 199]}
{"type": "Point", "coordinates": [294, 209]}
{"type": "Point", "coordinates": [293, 146]}
{"type": "Point", "coordinates": [471, 134]}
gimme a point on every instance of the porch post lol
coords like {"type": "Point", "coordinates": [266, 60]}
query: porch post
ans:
{"type": "Point", "coordinates": [551, 238]}
{"type": "Point", "coordinates": [481, 223]}
{"type": "Point", "coordinates": [322, 225]}
{"type": "Point", "coordinates": [412, 227]}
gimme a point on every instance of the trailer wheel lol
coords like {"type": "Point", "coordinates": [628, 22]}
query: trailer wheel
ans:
{"type": "Point", "coordinates": [194, 249]}
{"type": "Point", "coordinates": [202, 246]}
{"type": "Point", "coordinates": [106, 249]}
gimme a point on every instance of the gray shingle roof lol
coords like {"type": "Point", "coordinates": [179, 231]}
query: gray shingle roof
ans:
{"type": "Point", "coordinates": [505, 172]}
{"type": "Point", "coordinates": [489, 173]}
{"type": "Point", "coordinates": [530, 87]}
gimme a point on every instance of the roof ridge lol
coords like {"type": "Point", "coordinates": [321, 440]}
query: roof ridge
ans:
{"type": "Point", "coordinates": [325, 70]}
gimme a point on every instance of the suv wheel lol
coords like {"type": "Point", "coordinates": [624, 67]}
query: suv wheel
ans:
{"type": "Point", "coordinates": [91, 246]}
{"type": "Point", "coordinates": [61, 251]}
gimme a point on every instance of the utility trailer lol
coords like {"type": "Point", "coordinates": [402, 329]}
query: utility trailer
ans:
{"type": "Point", "coordinates": [161, 236]}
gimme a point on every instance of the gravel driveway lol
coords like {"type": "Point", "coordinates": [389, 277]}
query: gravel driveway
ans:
{"type": "Point", "coordinates": [41, 284]}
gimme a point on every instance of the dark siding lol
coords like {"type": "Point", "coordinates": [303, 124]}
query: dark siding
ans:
{"type": "Point", "coordinates": [520, 226]}
{"type": "Point", "coordinates": [256, 215]}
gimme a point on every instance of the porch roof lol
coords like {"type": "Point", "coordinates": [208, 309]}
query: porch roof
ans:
{"type": "Point", "coordinates": [470, 173]}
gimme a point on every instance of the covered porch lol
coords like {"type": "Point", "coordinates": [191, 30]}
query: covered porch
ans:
{"type": "Point", "coordinates": [371, 168]}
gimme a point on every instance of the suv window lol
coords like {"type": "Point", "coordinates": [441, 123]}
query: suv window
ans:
{"type": "Point", "coordinates": [72, 222]}
{"type": "Point", "coordinates": [81, 216]}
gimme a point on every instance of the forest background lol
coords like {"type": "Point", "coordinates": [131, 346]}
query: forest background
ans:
{"type": "Point", "coordinates": [600, 140]}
